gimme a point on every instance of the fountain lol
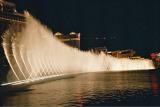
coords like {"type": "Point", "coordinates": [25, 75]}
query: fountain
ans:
{"type": "Point", "coordinates": [34, 55]}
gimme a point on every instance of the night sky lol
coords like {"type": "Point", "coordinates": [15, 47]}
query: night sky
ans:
{"type": "Point", "coordinates": [126, 24]}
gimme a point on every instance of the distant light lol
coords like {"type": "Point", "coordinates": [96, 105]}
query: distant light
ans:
{"type": "Point", "coordinates": [58, 34]}
{"type": "Point", "coordinates": [15, 10]}
{"type": "Point", "coordinates": [72, 33]}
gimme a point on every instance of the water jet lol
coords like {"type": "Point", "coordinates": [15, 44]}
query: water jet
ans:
{"type": "Point", "coordinates": [36, 55]}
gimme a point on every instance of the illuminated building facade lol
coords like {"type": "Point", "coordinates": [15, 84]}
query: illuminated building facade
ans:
{"type": "Point", "coordinates": [71, 39]}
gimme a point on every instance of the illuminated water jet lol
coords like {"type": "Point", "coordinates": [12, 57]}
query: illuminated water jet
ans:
{"type": "Point", "coordinates": [35, 54]}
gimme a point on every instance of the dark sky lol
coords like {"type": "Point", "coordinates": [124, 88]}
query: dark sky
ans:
{"type": "Point", "coordinates": [126, 23]}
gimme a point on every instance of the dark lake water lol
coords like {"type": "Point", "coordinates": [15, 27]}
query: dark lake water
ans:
{"type": "Point", "coordinates": [92, 89]}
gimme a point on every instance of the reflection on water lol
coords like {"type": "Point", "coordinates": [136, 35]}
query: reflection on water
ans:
{"type": "Point", "coordinates": [122, 88]}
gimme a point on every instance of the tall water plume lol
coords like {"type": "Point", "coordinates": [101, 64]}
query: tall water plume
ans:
{"type": "Point", "coordinates": [33, 52]}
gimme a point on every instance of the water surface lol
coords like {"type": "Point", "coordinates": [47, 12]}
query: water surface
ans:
{"type": "Point", "coordinates": [92, 89]}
